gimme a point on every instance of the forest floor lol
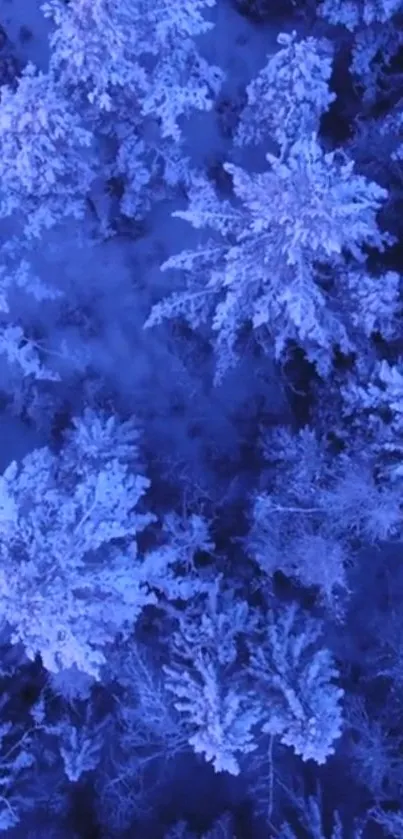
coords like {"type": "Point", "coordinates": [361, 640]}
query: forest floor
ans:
{"type": "Point", "coordinates": [117, 280]}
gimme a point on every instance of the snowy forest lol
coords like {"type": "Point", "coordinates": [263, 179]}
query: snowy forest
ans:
{"type": "Point", "coordinates": [201, 390]}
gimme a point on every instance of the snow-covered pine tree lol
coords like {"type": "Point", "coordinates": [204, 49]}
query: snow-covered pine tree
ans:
{"type": "Point", "coordinates": [66, 587]}
{"type": "Point", "coordinates": [295, 680]}
{"type": "Point", "coordinates": [377, 38]}
{"type": "Point", "coordinates": [218, 712]}
{"type": "Point", "coordinates": [47, 157]}
{"type": "Point", "coordinates": [136, 62]}
{"type": "Point", "coordinates": [94, 50]}
{"type": "Point", "coordinates": [373, 51]}
{"type": "Point", "coordinates": [288, 97]}
{"type": "Point", "coordinates": [372, 406]}
{"type": "Point", "coordinates": [285, 690]}
{"type": "Point", "coordinates": [356, 13]}
{"type": "Point", "coordinates": [317, 509]}
{"type": "Point", "coordinates": [277, 253]}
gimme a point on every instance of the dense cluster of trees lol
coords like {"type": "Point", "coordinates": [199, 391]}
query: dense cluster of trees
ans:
{"type": "Point", "coordinates": [201, 560]}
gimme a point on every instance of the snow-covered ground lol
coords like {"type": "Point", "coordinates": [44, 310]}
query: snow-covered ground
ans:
{"type": "Point", "coordinates": [27, 30]}
{"type": "Point", "coordinates": [119, 279]}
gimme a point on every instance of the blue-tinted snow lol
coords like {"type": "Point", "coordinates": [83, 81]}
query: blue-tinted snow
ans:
{"type": "Point", "coordinates": [31, 43]}
{"type": "Point", "coordinates": [118, 280]}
